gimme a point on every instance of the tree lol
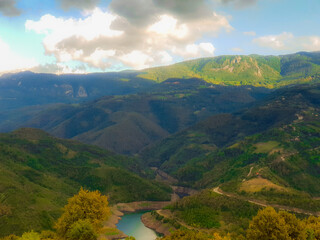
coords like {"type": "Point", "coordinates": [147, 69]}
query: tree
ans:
{"type": "Point", "coordinates": [193, 235]}
{"type": "Point", "coordinates": [295, 228]}
{"type": "Point", "coordinates": [91, 206]}
{"type": "Point", "coordinates": [82, 230]}
{"type": "Point", "coordinates": [268, 225]}
{"type": "Point", "coordinates": [312, 228]}
{"type": "Point", "coordinates": [30, 236]}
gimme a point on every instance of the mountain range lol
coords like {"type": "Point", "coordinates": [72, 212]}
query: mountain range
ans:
{"type": "Point", "coordinates": [246, 125]}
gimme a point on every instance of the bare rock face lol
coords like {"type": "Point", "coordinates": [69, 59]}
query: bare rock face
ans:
{"type": "Point", "coordinates": [82, 92]}
{"type": "Point", "coordinates": [68, 89]}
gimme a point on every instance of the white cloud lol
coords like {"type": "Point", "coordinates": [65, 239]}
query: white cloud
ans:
{"type": "Point", "coordinates": [195, 50]}
{"type": "Point", "coordinates": [288, 42]}
{"type": "Point", "coordinates": [98, 57]}
{"type": "Point", "coordinates": [279, 42]}
{"type": "Point", "coordinates": [167, 25]}
{"type": "Point", "coordinates": [10, 61]}
{"type": "Point", "coordinates": [57, 29]}
{"type": "Point", "coordinates": [137, 59]}
{"type": "Point", "coordinates": [120, 37]}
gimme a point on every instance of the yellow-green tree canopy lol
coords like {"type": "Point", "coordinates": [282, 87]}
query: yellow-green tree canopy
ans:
{"type": "Point", "coordinates": [272, 225]}
{"type": "Point", "coordinates": [193, 235]}
{"type": "Point", "coordinates": [86, 205]}
{"type": "Point", "coordinates": [312, 228]}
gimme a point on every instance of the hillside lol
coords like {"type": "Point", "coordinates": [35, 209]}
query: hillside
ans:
{"type": "Point", "coordinates": [127, 124]}
{"type": "Point", "coordinates": [38, 173]}
{"type": "Point", "coordinates": [27, 88]}
{"type": "Point", "coordinates": [235, 70]}
{"type": "Point", "coordinates": [24, 94]}
{"type": "Point", "coordinates": [270, 151]}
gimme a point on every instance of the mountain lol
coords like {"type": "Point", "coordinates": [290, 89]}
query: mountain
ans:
{"type": "Point", "coordinates": [27, 88]}
{"type": "Point", "coordinates": [268, 152]}
{"type": "Point", "coordinates": [38, 173]}
{"type": "Point", "coordinates": [127, 124]}
{"type": "Point", "coordinates": [235, 70]}
{"type": "Point", "coordinates": [25, 94]}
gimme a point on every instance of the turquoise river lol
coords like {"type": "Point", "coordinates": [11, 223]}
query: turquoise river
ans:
{"type": "Point", "coordinates": [131, 225]}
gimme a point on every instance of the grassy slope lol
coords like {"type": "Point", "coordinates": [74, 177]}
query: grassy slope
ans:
{"type": "Point", "coordinates": [38, 173]}
{"type": "Point", "coordinates": [255, 70]}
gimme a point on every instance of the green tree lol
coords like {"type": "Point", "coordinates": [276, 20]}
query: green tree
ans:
{"type": "Point", "coordinates": [294, 226]}
{"type": "Point", "coordinates": [30, 236]}
{"type": "Point", "coordinates": [91, 206]}
{"type": "Point", "coordinates": [48, 235]}
{"type": "Point", "coordinates": [268, 225]}
{"type": "Point", "coordinates": [312, 228]}
{"type": "Point", "coordinates": [10, 237]}
{"type": "Point", "coordinates": [82, 230]}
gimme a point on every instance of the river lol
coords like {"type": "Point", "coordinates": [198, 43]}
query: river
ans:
{"type": "Point", "coordinates": [131, 225]}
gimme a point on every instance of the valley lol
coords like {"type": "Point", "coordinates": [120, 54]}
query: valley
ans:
{"type": "Point", "coordinates": [220, 149]}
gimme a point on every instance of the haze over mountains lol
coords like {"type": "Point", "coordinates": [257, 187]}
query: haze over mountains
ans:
{"type": "Point", "coordinates": [157, 109]}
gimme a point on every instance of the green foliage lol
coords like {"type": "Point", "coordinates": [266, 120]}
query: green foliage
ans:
{"type": "Point", "coordinates": [208, 210]}
{"type": "Point", "coordinates": [127, 124]}
{"type": "Point", "coordinates": [81, 230]}
{"type": "Point", "coordinates": [277, 142]}
{"type": "Point", "coordinates": [30, 236]}
{"type": "Point", "coordinates": [269, 224]}
{"type": "Point", "coordinates": [45, 171]}
{"type": "Point", "coordinates": [83, 214]}
{"type": "Point", "coordinates": [255, 70]}
{"type": "Point", "coordinates": [194, 235]}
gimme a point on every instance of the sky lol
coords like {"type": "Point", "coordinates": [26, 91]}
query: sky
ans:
{"type": "Point", "coordinates": [82, 36]}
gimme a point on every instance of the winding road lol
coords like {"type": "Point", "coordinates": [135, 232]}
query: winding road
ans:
{"type": "Point", "coordinates": [260, 203]}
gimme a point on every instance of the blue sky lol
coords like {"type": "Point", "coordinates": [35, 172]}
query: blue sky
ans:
{"type": "Point", "coordinates": [79, 36]}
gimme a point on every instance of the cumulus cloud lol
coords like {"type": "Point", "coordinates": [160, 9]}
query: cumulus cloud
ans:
{"type": "Point", "coordinates": [8, 8]}
{"type": "Point", "coordinates": [60, 68]}
{"type": "Point", "coordinates": [279, 42]}
{"type": "Point", "coordinates": [80, 4]}
{"type": "Point", "coordinates": [135, 33]}
{"type": "Point", "coordinates": [10, 61]}
{"type": "Point", "coordinates": [239, 3]}
{"type": "Point", "coordinates": [288, 42]}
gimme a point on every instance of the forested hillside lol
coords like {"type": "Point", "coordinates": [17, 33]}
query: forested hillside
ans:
{"type": "Point", "coordinates": [270, 151]}
{"type": "Point", "coordinates": [38, 173]}
{"type": "Point", "coordinates": [254, 70]}
{"type": "Point", "coordinates": [127, 124]}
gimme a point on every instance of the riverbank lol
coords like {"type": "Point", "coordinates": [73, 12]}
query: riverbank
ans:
{"type": "Point", "coordinates": [110, 231]}
{"type": "Point", "coordinates": [158, 226]}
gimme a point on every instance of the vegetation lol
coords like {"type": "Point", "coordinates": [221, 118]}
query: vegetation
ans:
{"type": "Point", "coordinates": [268, 224]}
{"type": "Point", "coordinates": [45, 171]}
{"type": "Point", "coordinates": [193, 235]}
{"type": "Point", "coordinates": [84, 212]}
{"type": "Point", "coordinates": [127, 124]}
{"type": "Point", "coordinates": [208, 210]}
{"type": "Point", "coordinates": [279, 163]}
{"type": "Point", "coordinates": [82, 219]}
{"type": "Point", "coordinates": [254, 70]}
